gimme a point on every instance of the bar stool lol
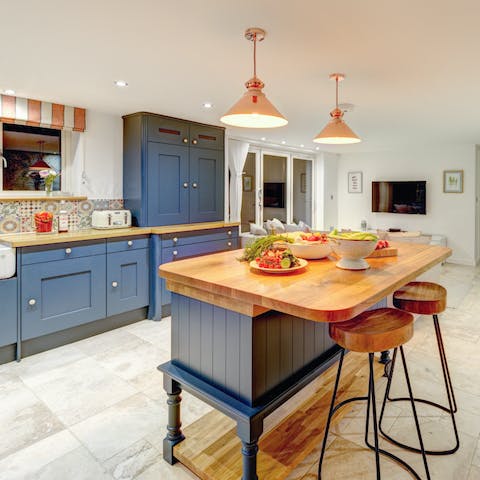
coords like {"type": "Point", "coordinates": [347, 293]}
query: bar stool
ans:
{"type": "Point", "coordinates": [425, 298]}
{"type": "Point", "coordinates": [373, 331]}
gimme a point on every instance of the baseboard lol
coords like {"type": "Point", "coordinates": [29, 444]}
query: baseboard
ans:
{"type": "Point", "coordinates": [462, 261]}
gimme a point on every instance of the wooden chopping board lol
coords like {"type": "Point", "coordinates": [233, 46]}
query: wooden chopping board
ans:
{"type": "Point", "coordinates": [384, 252]}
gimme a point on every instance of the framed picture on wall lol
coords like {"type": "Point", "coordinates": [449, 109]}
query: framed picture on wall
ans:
{"type": "Point", "coordinates": [453, 181]}
{"type": "Point", "coordinates": [355, 182]}
{"type": "Point", "coordinates": [247, 183]}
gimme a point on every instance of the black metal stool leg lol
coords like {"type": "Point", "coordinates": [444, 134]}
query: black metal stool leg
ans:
{"type": "Point", "coordinates": [452, 406]}
{"type": "Point", "coordinates": [412, 402]}
{"type": "Point", "coordinates": [330, 413]}
{"type": "Point", "coordinates": [371, 399]}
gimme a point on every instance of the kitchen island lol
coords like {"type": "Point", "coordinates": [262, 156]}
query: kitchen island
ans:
{"type": "Point", "coordinates": [246, 341]}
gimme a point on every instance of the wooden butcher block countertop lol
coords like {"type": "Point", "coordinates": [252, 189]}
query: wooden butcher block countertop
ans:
{"type": "Point", "coordinates": [33, 239]}
{"type": "Point", "coordinates": [320, 292]}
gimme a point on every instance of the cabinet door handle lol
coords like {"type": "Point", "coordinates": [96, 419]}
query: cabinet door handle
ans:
{"type": "Point", "coordinates": [185, 140]}
{"type": "Point", "coordinates": [194, 185]}
{"type": "Point", "coordinates": [114, 284]}
{"type": "Point", "coordinates": [129, 243]}
{"type": "Point", "coordinates": [175, 253]}
{"type": "Point", "coordinates": [68, 251]}
{"type": "Point", "coordinates": [32, 302]}
{"type": "Point", "coordinates": [229, 244]}
{"type": "Point", "coordinates": [194, 141]}
{"type": "Point", "coordinates": [229, 232]}
{"type": "Point", "coordinates": [185, 184]}
{"type": "Point", "coordinates": [175, 239]}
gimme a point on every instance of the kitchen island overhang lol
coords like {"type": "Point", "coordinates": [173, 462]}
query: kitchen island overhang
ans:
{"type": "Point", "coordinates": [245, 342]}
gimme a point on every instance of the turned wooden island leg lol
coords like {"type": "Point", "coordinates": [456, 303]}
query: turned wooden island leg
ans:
{"type": "Point", "coordinates": [249, 433]}
{"type": "Point", "coordinates": [174, 433]}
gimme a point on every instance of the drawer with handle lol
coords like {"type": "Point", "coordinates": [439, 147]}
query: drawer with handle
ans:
{"type": "Point", "coordinates": [183, 251]}
{"type": "Point", "coordinates": [127, 243]}
{"type": "Point", "coordinates": [61, 251]}
{"type": "Point", "coordinates": [186, 238]}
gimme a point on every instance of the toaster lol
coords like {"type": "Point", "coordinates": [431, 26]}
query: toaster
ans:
{"type": "Point", "coordinates": [111, 219]}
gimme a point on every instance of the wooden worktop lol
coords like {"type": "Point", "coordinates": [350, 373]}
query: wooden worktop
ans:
{"type": "Point", "coordinates": [321, 292]}
{"type": "Point", "coordinates": [32, 239]}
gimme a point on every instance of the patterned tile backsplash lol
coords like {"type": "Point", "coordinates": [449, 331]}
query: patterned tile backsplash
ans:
{"type": "Point", "coordinates": [18, 216]}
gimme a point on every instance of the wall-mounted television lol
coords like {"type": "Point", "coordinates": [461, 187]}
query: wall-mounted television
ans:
{"type": "Point", "coordinates": [399, 197]}
{"type": "Point", "coordinates": [274, 195]}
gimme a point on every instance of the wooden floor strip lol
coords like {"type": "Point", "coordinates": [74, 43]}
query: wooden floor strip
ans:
{"type": "Point", "coordinates": [212, 449]}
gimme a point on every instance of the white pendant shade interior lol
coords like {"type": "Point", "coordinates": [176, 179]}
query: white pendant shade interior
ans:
{"type": "Point", "coordinates": [254, 110]}
{"type": "Point", "coordinates": [337, 132]}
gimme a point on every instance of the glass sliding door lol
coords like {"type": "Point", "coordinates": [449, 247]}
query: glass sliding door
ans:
{"type": "Point", "coordinates": [249, 192]}
{"type": "Point", "coordinates": [302, 190]}
{"type": "Point", "coordinates": [274, 186]}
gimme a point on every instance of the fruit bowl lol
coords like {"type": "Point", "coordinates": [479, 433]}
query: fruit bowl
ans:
{"type": "Point", "coordinates": [352, 252]}
{"type": "Point", "coordinates": [310, 250]}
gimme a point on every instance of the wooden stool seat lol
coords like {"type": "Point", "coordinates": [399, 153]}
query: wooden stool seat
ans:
{"type": "Point", "coordinates": [424, 298]}
{"type": "Point", "coordinates": [374, 330]}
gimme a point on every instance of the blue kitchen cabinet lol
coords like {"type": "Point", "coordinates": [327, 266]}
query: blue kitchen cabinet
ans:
{"type": "Point", "coordinates": [127, 281]}
{"type": "Point", "coordinates": [8, 316]}
{"type": "Point", "coordinates": [170, 247]}
{"type": "Point", "coordinates": [167, 184]}
{"type": "Point", "coordinates": [173, 170]}
{"type": "Point", "coordinates": [60, 294]}
{"type": "Point", "coordinates": [207, 185]}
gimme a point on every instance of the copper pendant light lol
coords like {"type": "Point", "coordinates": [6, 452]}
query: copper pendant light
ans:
{"type": "Point", "coordinates": [254, 110]}
{"type": "Point", "coordinates": [337, 132]}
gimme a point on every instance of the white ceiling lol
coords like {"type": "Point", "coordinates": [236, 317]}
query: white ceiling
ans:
{"type": "Point", "coordinates": [412, 66]}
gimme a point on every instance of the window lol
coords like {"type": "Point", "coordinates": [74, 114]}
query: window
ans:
{"type": "Point", "coordinates": [27, 150]}
{"type": "Point", "coordinates": [282, 187]}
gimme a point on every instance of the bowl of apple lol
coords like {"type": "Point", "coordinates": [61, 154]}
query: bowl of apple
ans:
{"type": "Point", "coordinates": [311, 246]}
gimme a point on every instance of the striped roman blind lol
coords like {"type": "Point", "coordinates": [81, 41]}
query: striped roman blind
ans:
{"type": "Point", "coordinates": [41, 114]}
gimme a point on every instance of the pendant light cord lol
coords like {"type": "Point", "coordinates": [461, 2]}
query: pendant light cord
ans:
{"type": "Point", "coordinates": [254, 55]}
{"type": "Point", "coordinates": [336, 96]}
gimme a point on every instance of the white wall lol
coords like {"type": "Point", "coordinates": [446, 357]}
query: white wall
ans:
{"type": "Point", "coordinates": [326, 202]}
{"type": "Point", "coordinates": [449, 214]}
{"type": "Point", "coordinates": [97, 165]}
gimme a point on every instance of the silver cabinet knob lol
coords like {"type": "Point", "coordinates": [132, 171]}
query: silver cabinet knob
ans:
{"type": "Point", "coordinates": [175, 253]}
{"type": "Point", "coordinates": [32, 302]}
{"type": "Point", "coordinates": [229, 232]}
{"type": "Point", "coordinates": [175, 239]}
{"type": "Point", "coordinates": [68, 251]}
{"type": "Point", "coordinates": [229, 244]}
{"type": "Point", "coordinates": [185, 184]}
{"type": "Point", "coordinates": [185, 140]}
{"type": "Point", "coordinates": [194, 185]}
{"type": "Point", "coordinates": [194, 141]}
{"type": "Point", "coordinates": [114, 284]}
{"type": "Point", "coordinates": [130, 243]}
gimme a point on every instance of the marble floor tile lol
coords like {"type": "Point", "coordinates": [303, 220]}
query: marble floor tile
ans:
{"type": "Point", "coordinates": [120, 426]}
{"type": "Point", "coordinates": [105, 341]}
{"type": "Point", "coordinates": [27, 461]}
{"type": "Point", "coordinates": [133, 461]}
{"type": "Point", "coordinates": [24, 420]}
{"type": "Point", "coordinates": [474, 473]}
{"type": "Point", "coordinates": [75, 465]}
{"type": "Point", "coordinates": [162, 470]}
{"type": "Point", "coordinates": [156, 333]}
{"type": "Point", "coordinates": [80, 390]}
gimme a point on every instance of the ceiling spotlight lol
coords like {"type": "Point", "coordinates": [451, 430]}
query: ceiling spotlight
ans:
{"type": "Point", "coordinates": [254, 110]}
{"type": "Point", "coordinates": [302, 145]}
{"type": "Point", "coordinates": [337, 132]}
{"type": "Point", "coordinates": [263, 139]}
{"type": "Point", "coordinates": [121, 83]}
{"type": "Point", "coordinates": [207, 105]}
{"type": "Point", "coordinates": [283, 142]}
{"type": "Point", "coordinates": [317, 148]}
{"type": "Point", "coordinates": [9, 91]}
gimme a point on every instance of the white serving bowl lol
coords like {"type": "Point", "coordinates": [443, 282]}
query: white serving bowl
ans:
{"type": "Point", "coordinates": [310, 250]}
{"type": "Point", "coordinates": [352, 252]}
